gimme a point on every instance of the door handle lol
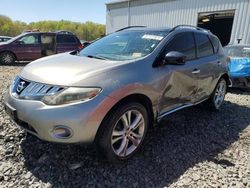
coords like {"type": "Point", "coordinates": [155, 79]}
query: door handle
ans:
{"type": "Point", "coordinates": [196, 71]}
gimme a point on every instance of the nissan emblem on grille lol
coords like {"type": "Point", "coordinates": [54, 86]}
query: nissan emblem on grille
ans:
{"type": "Point", "coordinates": [21, 86]}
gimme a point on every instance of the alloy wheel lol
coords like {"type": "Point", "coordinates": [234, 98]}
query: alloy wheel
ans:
{"type": "Point", "coordinates": [6, 58]}
{"type": "Point", "coordinates": [127, 133]}
{"type": "Point", "coordinates": [219, 94]}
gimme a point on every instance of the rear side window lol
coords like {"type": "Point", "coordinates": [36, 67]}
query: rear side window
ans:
{"type": "Point", "coordinates": [184, 43]}
{"type": "Point", "coordinates": [216, 43]}
{"type": "Point", "coordinates": [204, 46]}
{"type": "Point", "coordinates": [66, 39]}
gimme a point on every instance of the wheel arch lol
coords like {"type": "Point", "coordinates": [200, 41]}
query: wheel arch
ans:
{"type": "Point", "coordinates": [9, 51]}
{"type": "Point", "coordinates": [226, 77]}
{"type": "Point", "coordinates": [140, 98]}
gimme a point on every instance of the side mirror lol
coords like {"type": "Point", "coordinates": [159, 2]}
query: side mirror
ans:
{"type": "Point", "coordinates": [174, 58]}
{"type": "Point", "coordinates": [19, 42]}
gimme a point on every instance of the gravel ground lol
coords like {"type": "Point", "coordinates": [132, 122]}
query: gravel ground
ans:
{"type": "Point", "coordinates": [192, 148]}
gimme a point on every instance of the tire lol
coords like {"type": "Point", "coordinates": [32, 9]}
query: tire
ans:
{"type": "Point", "coordinates": [7, 58]}
{"type": "Point", "coordinates": [122, 136]}
{"type": "Point", "coordinates": [217, 98]}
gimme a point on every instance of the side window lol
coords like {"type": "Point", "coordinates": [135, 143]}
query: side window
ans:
{"type": "Point", "coordinates": [66, 39]}
{"type": "Point", "coordinates": [59, 39]}
{"type": "Point", "coordinates": [29, 39]}
{"type": "Point", "coordinates": [216, 43]}
{"type": "Point", "coordinates": [183, 43]}
{"type": "Point", "coordinates": [69, 39]}
{"type": "Point", "coordinates": [204, 46]}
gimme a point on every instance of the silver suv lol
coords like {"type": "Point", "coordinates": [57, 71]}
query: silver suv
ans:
{"type": "Point", "coordinates": [112, 91]}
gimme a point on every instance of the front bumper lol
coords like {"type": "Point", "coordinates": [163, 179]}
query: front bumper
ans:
{"type": "Point", "coordinates": [240, 82]}
{"type": "Point", "coordinates": [83, 118]}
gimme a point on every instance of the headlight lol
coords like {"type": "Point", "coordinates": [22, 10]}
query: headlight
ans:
{"type": "Point", "coordinates": [71, 95]}
{"type": "Point", "coordinates": [12, 85]}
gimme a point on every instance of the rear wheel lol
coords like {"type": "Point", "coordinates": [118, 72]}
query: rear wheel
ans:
{"type": "Point", "coordinates": [217, 98]}
{"type": "Point", "coordinates": [7, 58]}
{"type": "Point", "coordinates": [124, 132]}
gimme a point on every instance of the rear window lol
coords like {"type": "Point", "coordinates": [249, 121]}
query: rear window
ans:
{"type": "Point", "coordinates": [66, 39]}
{"type": "Point", "coordinates": [4, 39]}
{"type": "Point", "coordinates": [204, 46]}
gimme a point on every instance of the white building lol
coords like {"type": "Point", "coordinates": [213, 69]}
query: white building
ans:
{"type": "Point", "coordinates": [228, 19]}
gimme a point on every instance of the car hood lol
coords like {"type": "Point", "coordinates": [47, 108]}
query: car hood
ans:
{"type": "Point", "coordinates": [65, 69]}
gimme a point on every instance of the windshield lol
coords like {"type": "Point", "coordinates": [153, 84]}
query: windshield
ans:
{"type": "Point", "coordinates": [14, 38]}
{"type": "Point", "coordinates": [237, 51]}
{"type": "Point", "coordinates": [123, 46]}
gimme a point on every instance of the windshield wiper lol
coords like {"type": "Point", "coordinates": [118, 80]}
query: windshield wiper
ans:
{"type": "Point", "coordinates": [96, 57]}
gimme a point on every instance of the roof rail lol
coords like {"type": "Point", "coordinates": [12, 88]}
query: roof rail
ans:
{"type": "Point", "coordinates": [189, 26]}
{"type": "Point", "coordinates": [129, 27]}
{"type": "Point", "coordinates": [64, 32]}
{"type": "Point", "coordinates": [31, 30]}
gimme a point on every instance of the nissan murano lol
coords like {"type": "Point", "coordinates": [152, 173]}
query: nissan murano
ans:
{"type": "Point", "coordinates": [111, 92]}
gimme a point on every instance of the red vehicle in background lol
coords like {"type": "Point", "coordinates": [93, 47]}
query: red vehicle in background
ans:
{"type": "Point", "coordinates": [30, 46]}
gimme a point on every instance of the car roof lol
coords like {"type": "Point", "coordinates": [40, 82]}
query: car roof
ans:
{"type": "Point", "coordinates": [49, 32]}
{"type": "Point", "coordinates": [5, 37]}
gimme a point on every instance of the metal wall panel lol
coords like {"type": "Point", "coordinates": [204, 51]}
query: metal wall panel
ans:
{"type": "Point", "coordinates": [172, 13]}
{"type": "Point", "coordinates": [116, 19]}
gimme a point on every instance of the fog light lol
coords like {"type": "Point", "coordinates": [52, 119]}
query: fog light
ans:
{"type": "Point", "coordinates": [62, 132]}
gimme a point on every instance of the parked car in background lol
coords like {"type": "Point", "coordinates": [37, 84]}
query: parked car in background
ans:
{"type": "Point", "coordinates": [85, 43]}
{"type": "Point", "coordinates": [4, 38]}
{"type": "Point", "coordinates": [239, 66]}
{"type": "Point", "coordinates": [31, 30]}
{"type": "Point", "coordinates": [33, 45]}
{"type": "Point", "coordinates": [82, 41]}
{"type": "Point", "coordinates": [113, 90]}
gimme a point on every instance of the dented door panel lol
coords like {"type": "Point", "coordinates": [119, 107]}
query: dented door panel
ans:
{"type": "Point", "coordinates": [180, 86]}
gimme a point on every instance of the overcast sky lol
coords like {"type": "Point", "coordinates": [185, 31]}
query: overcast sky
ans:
{"type": "Point", "coordinates": [73, 10]}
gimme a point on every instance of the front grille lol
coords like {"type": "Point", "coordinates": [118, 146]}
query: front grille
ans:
{"type": "Point", "coordinates": [32, 90]}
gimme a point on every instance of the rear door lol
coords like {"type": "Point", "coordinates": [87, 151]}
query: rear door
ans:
{"type": "Point", "coordinates": [208, 65]}
{"type": "Point", "coordinates": [28, 47]}
{"type": "Point", "coordinates": [180, 83]}
{"type": "Point", "coordinates": [67, 42]}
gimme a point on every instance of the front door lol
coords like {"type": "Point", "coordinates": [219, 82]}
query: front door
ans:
{"type": "Point", "coordinates": [28, 47]}
{"type": "Point", "coordinates": [180, 85]}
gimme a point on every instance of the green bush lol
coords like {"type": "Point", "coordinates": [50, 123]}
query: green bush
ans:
{"type": "Point", "coordinates": [86, 31]}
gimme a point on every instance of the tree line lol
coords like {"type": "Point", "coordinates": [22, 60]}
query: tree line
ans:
{"type": "Point", "coordinates": [86, 31]}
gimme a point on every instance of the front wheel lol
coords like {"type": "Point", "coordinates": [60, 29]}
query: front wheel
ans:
{"type": "Point", "coordinates": [124, 132]}
{"type": "Point", "coordinates": [7, 58]}
{"type": "Point", "coordinates": [218, 96]}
